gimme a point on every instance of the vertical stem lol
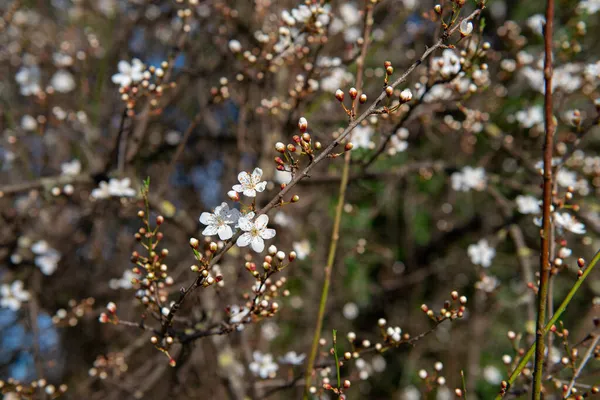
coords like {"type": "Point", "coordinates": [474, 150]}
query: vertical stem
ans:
{"type": "Point", "coordinates": [335, 235]}
{"type": "Point", "coordinates": [547, 203]}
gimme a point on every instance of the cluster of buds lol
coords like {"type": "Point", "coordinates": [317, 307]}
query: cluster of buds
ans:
{"type": "Point", "coordinates": [261, 301]}
{"type": "Point", "coordinates": [353, 93]}
{"type": "Point", "coordinates": [434, 379]}
{"type": "Point", "coordinates": [77, 310]}
{"type": "Point", "coordinates": [274, 261]}
{"type": "Point", "coordinates": [221, 93]}
{"type": "Point", "coordinates": [152, 86]}
{"type": "Point", "coordinates": [110, 316]}
{"type": "Point", "coordinates": [111, 365]}
{"type": "Point", "coordinates": [392, 335]}
{"type": "Point", "coordinates": [30, 391]}
{"type": "Point", "coordinates": [151, 268]}
{"type": "Point", "coordinates": [186, 12]}
{"type": "Point", "coordinates": [302, 144]}
{"type": "Point", "coordinates": [451, 310]}
{"type": "Point", "coordinates": [211, 274]}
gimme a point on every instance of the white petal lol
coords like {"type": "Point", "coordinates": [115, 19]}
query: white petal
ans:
{"type": "Point", "coordinates": [245, 224]}
{"type": "Point", "coordinates": [208, 218]}
{"type": "Point", "coordinates": [124, 67]}
{"type": "Point", "coordinates": [256, 175]}
{"type": "Point", "coordinates": [261, 186]}
{"type": "Point", "coordinates": [210, 230]}
{"type": "Point", "coordinates": [261, 222]}
{"type": "Point", "coordinates": [238, 188]}
{"type": "Point", "coordinates": [244, 240]}
{"type": "Point", "coordinates": [244, 178]}
{"type": "Point", "coordinates": [267, 234]}
{"type": "Point", "coordinates": [250, 193]}
{"type": "Point", "coordinates": [258, 245]}
{"type": "Point", "coordinates": [225, 232]}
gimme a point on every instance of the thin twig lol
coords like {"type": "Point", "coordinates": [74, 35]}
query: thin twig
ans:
{"type": "Point", "coordinates": [547, 204]}
{"type": "Point", "coordinates": [588, 355]}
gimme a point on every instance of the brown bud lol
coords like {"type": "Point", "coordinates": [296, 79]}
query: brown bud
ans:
{"type": "Point", "coordinates": [389, 91]}
{"type": "Point", "coordinates": [353, 93]}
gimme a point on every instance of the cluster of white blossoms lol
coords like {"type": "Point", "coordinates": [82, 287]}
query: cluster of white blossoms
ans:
{"type": "Point", "coordinates": [224, 220]}
{"type": "Point", "coordinates": [13, 295]}
{"type": "Point", "coordinates": [481, 253]}
{"type": "Point", "coordinates": [530, 117]}
{"type": "Point", "coordinates": [264, 366]}
{"type": "Point", "coordinates": [469, 178]}
{"type": "Point", "coordinates": [114, 188]}
{"type": "Point", "coordinates": [46, 258]}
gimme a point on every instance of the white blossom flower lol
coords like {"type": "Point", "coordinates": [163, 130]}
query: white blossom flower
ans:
{"type": "Point", "coordinates": [46, 258]}
{"type": "Point", "coordinates": [350, 310]}
{"type": "Point", "coordinates": [568, 222]}
{"type": "Point", "coordinates": [28, 123]}
{"type": "Point", "coordinates": [28, 79]}
{"type": "Point", "coordinates": [255, 233]}
{"type": "Point", "coordinates": [530, 117]}
{"type": "Point", "coordinates": [492, 375]}
{"type": "Point", "coordinates": [235, 46]}
{"type": "Point", "coordinates": [302, 248]}
{"type": "Point", "coordinates": [62, 81]}
{"type": "Point", "coordinates": [398, 142]}
{"type": "Point", "coordinates": [336, 79]}
{"type": "Point", "coordinates": [466, 27]}
{"type": "Point", "coordinates": [536, 23]}
{"type": "Point", "coordinates": [11, 296]}
{"type": "Point", "coordinates": [263, 365]}
{"type": "Point", "coordinates": [101, 192]}
{"type": "Point", "coordinates": [292, 358]}
{"type": "Point", "coordinates": [250, 184]}
{"type": "Point", "coordinates": [566, 178]}
{"type": "Point", "coordinates": [361, 137]}
{"type": "Point", "coordinates": [71, 168]}
{"type": "Point", "coordinates": [528, 205]}
{"type": "Point", "coordinates": [469, 178]}
{"type": "Point", "coordinates": [447, 65]}
{"type": "Point", "coordinates": [121, 187]}
{"type": "Point", "coordinates": [124, 282]}
{"type": "Point", "coordinates": [481, 253]}
{"type": "Point", "coordinates": [219, 222]}
{"type": "Point", "coordinates": [487, 283]}
{"type": "Point", "coordinates": [237, 314]}
{"type": "Point", "coordinates": [590, 6]}
{"type": "Point", "coordinates": [564, 252]}
{"type": "Point", "coordinates": [128, 73]}
{"type": "Point", "coordinates": [282, 219]}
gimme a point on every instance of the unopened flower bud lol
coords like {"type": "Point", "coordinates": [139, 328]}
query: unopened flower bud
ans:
{"type": "Point", "coordinates": [389, 70]}
{"type": "Point", "coordinates": [272, 250]}
{"type": "Point", "coordinates": [295, 198]}
{"type": "Point", "coordinates": [362, 99]}
{"type": "Point", "coordinates": [233, 195]}
{"type": "Point", "coordinates": [406, 95]}
{"type": "Point", "coordinates": [111, 307]}
{"type": "Point", "coordinates": [438, 9]}
{"type": "Point", "coordinates": [381, 322]}
{"type": "Point", "coordinates": [280, 255]}
{"type": "Point", "coordinates": [318, 145]}
{"type": "Point", "coordinates": [213, 246]}
{"type": "Point", "coordinates": [292, 256]}
{"type": "Point", "coordinates": [348, 146]}
{"type": "Point", "coordinates": [339, 95]}
{"type": "Point", "coordinates": [291, 148]}
{"type": "Point", "coordinates": [306, 137]}
{"type": "Point", "coordinates": [194, 243]}
{"type": "Point", "coordinates": [302, 124]}
{"type": "Point", "coordinates": [387, 64]}
{"type": "Point", "coordinates": [389, 91]}
{"type": "Point", "coordinates": [280, 147]}
{"type": "Point", "coordinates": [353, 93]}
{"type": "Point", "coordinates": [159, 220]}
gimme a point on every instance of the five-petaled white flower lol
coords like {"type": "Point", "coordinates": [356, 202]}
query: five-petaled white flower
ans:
{"type": "Point", "coordinates": [219, 221]}
{"type": "Point", "coordinates": [129, 73]}
{"type": "Point", "coordinates": [528, 205]}
{"type": "Point", "coordinates": [263, 365]}
{"type": "Point", "coordinates": [481, 253]}
{"type": "Point", "coordinates": [255, 233]}
{"type": "Point", "coordinates": [469, 178]}
{"type": "Point", "coordinates": [568, 222]}
{"type": "Point", "coordinates": [292, 358]}
{"type": "Point", "coordinates": [11, 296]}
{"type": "Point", "coordinates": [250, 184]}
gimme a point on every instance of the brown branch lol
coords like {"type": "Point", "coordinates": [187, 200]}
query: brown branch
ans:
{"type": "Point", "coordinates": [547, 204]}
